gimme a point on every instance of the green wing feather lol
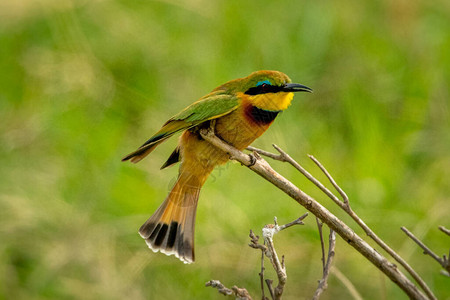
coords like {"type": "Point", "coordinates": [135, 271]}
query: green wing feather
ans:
{"type": "Point", "coordinates": [209, 107]}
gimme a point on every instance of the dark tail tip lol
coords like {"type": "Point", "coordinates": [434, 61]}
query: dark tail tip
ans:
{"type": "Point", "coordinates": [173, 158]}
{"type": "Point", "coordinates": [135, 156]}
{"type": "Point", "coordinates": [141, 152]}
{"type": "Point", "coordinates": [168, 239]}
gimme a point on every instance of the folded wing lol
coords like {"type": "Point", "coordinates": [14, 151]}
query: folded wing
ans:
{"type": "Point", "coordinates": [209, 107]}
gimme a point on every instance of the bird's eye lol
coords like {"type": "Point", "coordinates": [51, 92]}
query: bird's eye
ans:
{"type": "Point", "coordinates": [262, 87]}
{"type": "Point", "coordinates": [263, 84]}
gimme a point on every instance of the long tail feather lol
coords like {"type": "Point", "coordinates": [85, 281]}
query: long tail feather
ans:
{"type": "Point", "coordinates": [171, 127]}
{"type": "Point", "coordinates": [170, 229]}
{"type": "Point", "coordinates": [141, 153]}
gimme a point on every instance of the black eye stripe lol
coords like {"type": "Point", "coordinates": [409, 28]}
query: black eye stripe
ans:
{"type": "Point", "coordinates": [263, 89]}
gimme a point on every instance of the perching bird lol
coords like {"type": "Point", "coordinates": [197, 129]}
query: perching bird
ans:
{"type": "Point", "coordinates": [243, 109]}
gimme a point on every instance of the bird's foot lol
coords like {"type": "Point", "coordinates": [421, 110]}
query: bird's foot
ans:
{"type": "Point", "coordinates": [254, 157]}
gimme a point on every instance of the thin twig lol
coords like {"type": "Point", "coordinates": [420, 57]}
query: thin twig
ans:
{"type": "Point", "coordinates": [268, 249]}
{"type": "Point", "coordinates": [255, 244]}
{"type": "Point", "coordinates": [261, 275]}
{"type": "Point", "coordinates": [372, 234]}
{"type": "Point", "coordinates": [345, 205]}
{"type": "Point", "coordinates": [323, 283]}
{"type": "Point", "coordinates": [278, 265]}
{"type": "Point", "coordinates": [444, 230]}
{"type": "Point", "coordinates": [239, 293]}
{"type": "Point", "coordinates": [446, 258]}
{"type": "Point", "coordinates": [268, 232]}
{"type": "Point", "coordinates": [322, 246]}
{"type": "Point", "coordinates": [266, 153]}
{"type": "Point", "coordinates": [444, 261]}
{"type": "Point", "coordinates": [331, 247]}
{"type": "Point", "coordinates": [220, 287]}
{"type": "Point", "coordinates": [426, 250]}
{"type": "Point", "coordinates": [284, 157]}
{"type": "Point", "coordinates": [295, 222]}
{"type": "Point", "coordinates": [262, 168]}
{"type": "Point", "coordinates": [331, 179]}
{"type": "Point", "coordinates": [270, 287]}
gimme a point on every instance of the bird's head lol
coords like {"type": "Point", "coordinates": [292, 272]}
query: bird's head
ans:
{"type": "Point", "coordinates": [268, 90]}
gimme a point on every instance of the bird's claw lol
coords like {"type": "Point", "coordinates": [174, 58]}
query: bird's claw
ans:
{"type": "Point", "coordinates": [253, 158]}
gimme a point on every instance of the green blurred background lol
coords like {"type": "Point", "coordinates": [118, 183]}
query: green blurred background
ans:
{"type": "Point", "coordinates": [83, 83]}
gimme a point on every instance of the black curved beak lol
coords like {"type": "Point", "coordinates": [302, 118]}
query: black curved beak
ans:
{"type": "Point", "coordinates": [295, 87]}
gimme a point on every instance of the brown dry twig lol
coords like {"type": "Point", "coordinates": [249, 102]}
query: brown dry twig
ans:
{"type": "Point", "coordinates": [444, 261]}
{"type": "Point", "coordinates": [444, 230]}
{"type": "Point", "coordinates": [268, 249]}
{"type": "Point", "coordinates": [279, 266]}
{"type": "Point", "coordinates": [344, 205]}
{"type": "Point", "coordinates": [254, 244]}
{"type": "Point", "coordinates": [239, 293]}
{"type": "Point", "coordinates": [322, 246]}
{"type": "Point", "coordinates": [323, 283]}
{"type": "Point", "coordinates": [262, 168]}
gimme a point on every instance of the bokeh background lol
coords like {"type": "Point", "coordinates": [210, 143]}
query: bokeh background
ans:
{"type": "Point", "coordinates": [83, 83]}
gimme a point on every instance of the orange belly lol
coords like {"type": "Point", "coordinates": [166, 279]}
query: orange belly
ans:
{"type": "Point", "coordinates": [199, 157]}
{"type": "Point", "coordinates": [239, 129]}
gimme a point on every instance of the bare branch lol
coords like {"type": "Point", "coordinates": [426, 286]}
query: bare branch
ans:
{"type": "Point", "coordinates": [220, 287]}
{"type": "Point", "coordinates": [266, 153]}
{"type": "Point", "coordinates": [444, 262]}
{"type": "Point", "coordinates": [295, 222]}
{"type": "Point", "coordinates": [270, 287]}
{"type": "Point", "coordinates": [254, 243]}
{"type": "Point", "coordinates": [444, 230]}
{"type": "Point", "coordinates": [239, 293]}
{"type": "Point", "coordinates": [345, 205]}
{"type": "Point", "coordinates": [331, 179]}
{"type": "Point", "coordinates": [268, 232]}
{"type": "Point", "coordinates": [322, 246]}
{"type": "Point", "coordinates": [261, 275]}
{"type": "Point", "coordinates": [283, 156]}
{"type": "Point", "coordinates": [323, 283]}
{"type": "Point", "coordinates": [268, 249]}
{"type": "Point", "coordinates": [262, 168]}
{"type": "Point", "coordinates": [422, 245]}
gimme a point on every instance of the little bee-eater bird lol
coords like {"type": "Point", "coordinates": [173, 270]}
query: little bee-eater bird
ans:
{"type": "Point", "coordinates": [242, 110]}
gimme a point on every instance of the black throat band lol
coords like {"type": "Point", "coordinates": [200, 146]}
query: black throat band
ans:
{"type": "Point", "coordinates": [262, 116]}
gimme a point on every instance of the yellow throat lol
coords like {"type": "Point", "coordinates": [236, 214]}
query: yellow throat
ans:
{"type": "Point", "coordinates": [270, 101]}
